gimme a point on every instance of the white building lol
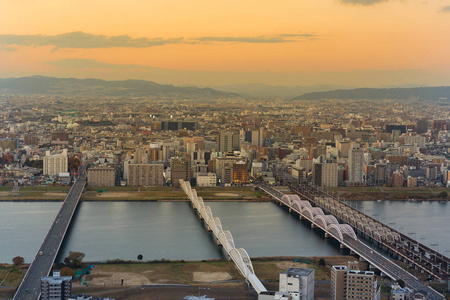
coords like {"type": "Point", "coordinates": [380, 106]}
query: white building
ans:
{"type": "Point", "coordinates": [298, 280]}
{"type": "Point", "coordinates": [295, 284]}
{"type": "Point", "coordinates": [55, 164]}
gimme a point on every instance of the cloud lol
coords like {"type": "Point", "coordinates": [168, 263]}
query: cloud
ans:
{"type": "Point", "coordinates": [445, 9]}
{"type": "Point", "coordinates": [81, 63]}
{"type": "Point", "coordinates": [280, 38]}
{"type": "Point", "coordinates": [82, 40]}
{"type": "Point", "coordinates": [363, 2]}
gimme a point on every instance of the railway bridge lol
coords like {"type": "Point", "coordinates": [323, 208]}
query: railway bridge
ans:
{"type": "Point", "coordinates": [397, 244]}
{"type": "Point", "coordinates": [333, 226]}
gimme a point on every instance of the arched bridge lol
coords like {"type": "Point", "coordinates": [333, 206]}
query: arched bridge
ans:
{"type": "Point", "coordinates": [239, 256]}
{"type": "Point", "coordinates": [346, 235]}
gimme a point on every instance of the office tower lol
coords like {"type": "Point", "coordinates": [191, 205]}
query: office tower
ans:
{"type": "Point", "coordinates": [229, 141]}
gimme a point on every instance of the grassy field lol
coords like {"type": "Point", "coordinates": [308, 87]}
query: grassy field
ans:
{"type": "Point", "coordinates": [389, 193]}
{"type": "Point", "coordinates": [10, 276]}
{"type": "Point", "coordinates": [58, 193]}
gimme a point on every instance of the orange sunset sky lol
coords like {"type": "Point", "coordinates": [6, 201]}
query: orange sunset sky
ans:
{"type": "Point", "coordinates": [215, 42]}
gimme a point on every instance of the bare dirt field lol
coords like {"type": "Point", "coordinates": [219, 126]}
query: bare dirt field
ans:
{"type": "Point", "coordinates": [226, 194]}
{"type": "Point", "coordinates": [211, 276]}
{"type": "Point", "coordinates": [122, 195]}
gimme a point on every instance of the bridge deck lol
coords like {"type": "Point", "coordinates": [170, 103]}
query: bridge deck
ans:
{"type": "Point", "coordinates": [30, 287]}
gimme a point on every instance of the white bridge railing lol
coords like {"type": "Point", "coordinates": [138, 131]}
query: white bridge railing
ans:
{"type": "Point", "coordinates": [238, 255]}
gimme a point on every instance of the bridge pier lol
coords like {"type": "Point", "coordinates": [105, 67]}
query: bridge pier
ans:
{"type": "Point", "coordinates": [313, 226]}
{"type": "Point", "coordinates": [327, 235]}
{"type": "Point", "coordinates": [342, 246]}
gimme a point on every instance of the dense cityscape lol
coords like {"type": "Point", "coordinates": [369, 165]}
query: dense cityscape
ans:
{"type": "Point", "coordinates": [218, 150]}
{"type": "Point", "coordinates": [266, 145]}
{"type": "Point", "coordinates": [222, 142]}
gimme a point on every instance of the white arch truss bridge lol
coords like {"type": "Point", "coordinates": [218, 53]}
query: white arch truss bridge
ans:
{"type": "Point", "coordinates": [239, 256]}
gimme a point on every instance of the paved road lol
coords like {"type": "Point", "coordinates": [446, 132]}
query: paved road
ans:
{"type": "Point", "coordinates": [30, 288]}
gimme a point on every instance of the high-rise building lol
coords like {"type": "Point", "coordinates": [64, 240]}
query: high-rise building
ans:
{"type": "Point", "coordinates": [325, 174]}
{"type": "Point", "coordinates": [229, 141]}
{"type": "Point", "coordinates": [240, 173]}
{"type": "Point", "coordinates": [343, 147]}
{"type": "Point", "coordinates": [145, 174]}
{"type": "Point", "coordinates": [55, 164]}
{"type": "Point", "coordinates": [102, 177]}
{"type": "Point", "coordinates": [181, 169]}
{"type": "Point", "coordinates": [339, 283]}
{"type": "Point", "coordinates": [397, 179]}
{"type": "Point", "coordinates": [356, 165]}
{"type": "Point", "coordinates": [56, 287]}
{"type": "Point", "coordinates": [31, 139]}
{"type": "Point", "coordinates": [10, 144]}
{"type": "Point", "coordinates": [349, 283]}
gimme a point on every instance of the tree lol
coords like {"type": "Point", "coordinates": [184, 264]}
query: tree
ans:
{"type": "Point", "coordinates": [18, 260]}
{"type": "Point", "coordinates": [401, 283]}
{"type": "Point", "coordinates": [140, 257]}
{"type": "Point", "coordinates": [66, 271]}
{"type": "Point", "coordinates": [321, 262]}
{"type": "Point", "coordinates": [74, 163]}
{"type": "Point", "coordinates": [74, 259]}
{"type": "Point", "coordinates": [443, 195]}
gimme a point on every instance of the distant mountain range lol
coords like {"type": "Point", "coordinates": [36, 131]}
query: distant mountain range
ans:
{"type": "Point", "coordinates": [98, 87]}
{"type": "Point", "coordinates": [141, 88]}
{"type": "Point", "coordinates": [421, 93]}
{"type": "Point", "coordinates": [275, 91]}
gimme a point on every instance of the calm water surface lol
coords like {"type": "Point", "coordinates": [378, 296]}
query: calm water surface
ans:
{"type": "Point", "coordinates": [172, 230]}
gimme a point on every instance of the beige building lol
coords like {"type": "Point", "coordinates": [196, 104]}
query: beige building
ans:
{"type": "Point", "coordinates": [145, 174]}
{"type": "Point", "coordinates": [209, 179]}
{"type": "Point", "coordinates": [349, 283]}
{"type": "Point", "coordinates": [228, 141]}
{"type": "Point", "coordinates": [181, 169]}
{"type": "Point", "coordinates": [101, 177]}
{"type": "Point", "coordinates": [325, 174]}
{"type": "Point", "coordinates": [55, 164]}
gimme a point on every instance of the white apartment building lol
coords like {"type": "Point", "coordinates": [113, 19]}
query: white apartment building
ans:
{"type": "Point", "coordinates": [55, 164]}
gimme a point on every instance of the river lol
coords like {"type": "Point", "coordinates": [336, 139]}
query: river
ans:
{"type": "Point", "coordinates": [172, 230]}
